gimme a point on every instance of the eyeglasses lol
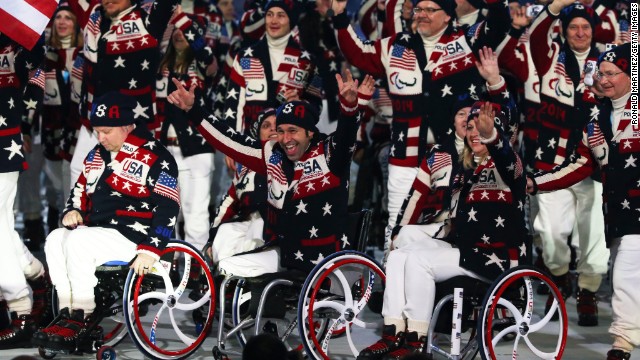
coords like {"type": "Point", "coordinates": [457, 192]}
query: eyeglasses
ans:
{"type": "Point", "coordinates": [600, 75]}
{"type": "Point", "coordinates": [429, 10]}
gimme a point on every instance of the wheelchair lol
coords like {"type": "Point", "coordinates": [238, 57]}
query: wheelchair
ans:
{"type": "Point", "coordinates": [327, 304]}
{"type": "Point", "coordinates": [495, 319]}
{"type": "Point", "coordinates": [147, 308]}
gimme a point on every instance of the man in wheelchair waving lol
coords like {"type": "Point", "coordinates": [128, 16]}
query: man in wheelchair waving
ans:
{"type": "Point", "coordinates": [307, 174]}
{"type": "Point", "coordinates": [485, 234]}
{"type": "Point", "coordinates": [124, 206]}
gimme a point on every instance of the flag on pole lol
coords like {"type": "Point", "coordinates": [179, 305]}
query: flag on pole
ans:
{"type": "Point", "coordinates": [25, 20]}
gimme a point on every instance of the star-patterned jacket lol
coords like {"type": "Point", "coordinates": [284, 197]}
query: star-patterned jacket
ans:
{"type": "Point", "coordinates": [122, 54]}
{"type": "Point", "coordinates": [15, 64]}
{"type": "Point", "coordinates": [565, 101]}
{"type": "Point", "coordinates": [135, 193]}
{"type": "Point", "coordinates": [246, 195]}
{"type": "Point", "coordinates": [188, 138]}
{"type": "Point", "coordinates": [252, 88]}
{"type": "Point", "coordinates": [307, 200]}
{"type": "Point", "coordinates": [616, 153]}
{"type": "Point", "coordinates": [488, 212]}
{"type": "Point", "coordinates": [423, 90]}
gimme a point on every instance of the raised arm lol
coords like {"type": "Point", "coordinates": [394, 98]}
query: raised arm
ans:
{"type": "Point", "coordinates": [243, 149]}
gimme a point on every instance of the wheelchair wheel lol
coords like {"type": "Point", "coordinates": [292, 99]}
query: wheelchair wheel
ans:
{"type": "Point", "coordinates": [513, 293]}
{"type": "Point", "coordinates": [159, 333]}
{"type": "Point", "coordinates": [336, 293]}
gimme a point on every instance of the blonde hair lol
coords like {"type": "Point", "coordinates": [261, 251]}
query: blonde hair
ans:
{"type": "Point", "coordinates": [76, 39]}
{"type": "Point", "coordinates": [468, 157]}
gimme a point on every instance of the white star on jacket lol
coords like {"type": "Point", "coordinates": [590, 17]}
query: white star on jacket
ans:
{"type": "Point", "coordinates": [172, 222]}
{"type": "Point", "coordinates": [313, 232]}
{"type": "Point", "coordinates": [145, 65]}
{"type": "Point", "coordinates": [140, 110]}
{"type": "Point", "coordinates": [145, 205]}
{"type": "Point", "coordinates": [232, 93]}
{"type": "Point", "coordinates": [248, 52]}
{"type": "Point", "coordinates": [119, 62]}
{"type": "Point", "coordinates": [299, 255]}
{"type": "Point", "coordinates": [14, 149]}
{"type": "Point", "coordinates": [345, 241]}
{"type": "Point", "coordinates": [631, 161]}
{"type": "Point", "coordinates": [472, 215]}
{"type": "Point", "coordinates": [131, 208]}
{"type": "Point", "coordinates": [302, 207]}
{"type": "Point", "coordinates": [165, 164]}
{"type": "Point", "coordinates": [126, 186]}
{"type": "Point", "coordinates": [139, 227]}
{"type": "Point", "coordinates": [485, 238]}
{"type": "Point", "coordinates": [316, 261]}
{"type": "Point", "coordinates": [3, 121]}
{"type": "Point", "coordinates": [30, 104]}
{"type": "Point", "coordinates": [499, 221]}
{"type": "Point", "coordinates": [446, 90]}
{"type": "Point", "coordinates": [326, 209]}
{"type": "Point", "coordinates": [625, 204]}
{"type": "Point", "coordinates": [133, 83]}
{"type": "Point", "coordinates": [11, 104]}
{"type": "Point", "coordinates": [494, 259]}
{"type": "Point", "coordinates": [523, 249]}
{"type": "Point", "coordinates": [155, 241]}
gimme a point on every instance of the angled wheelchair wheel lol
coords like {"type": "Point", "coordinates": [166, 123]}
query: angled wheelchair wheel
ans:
{"type": "Point", "coordinates": [513, 322]}
{"type": "Point", "coordinates": [335, 296]}
{"type": "Point", "coordinates": [158, 313]}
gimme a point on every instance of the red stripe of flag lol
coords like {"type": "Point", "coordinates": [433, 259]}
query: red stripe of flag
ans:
{"type": "Point", "coordinates": [19, 31]}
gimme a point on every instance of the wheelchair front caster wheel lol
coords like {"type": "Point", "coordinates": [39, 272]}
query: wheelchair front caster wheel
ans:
{"type": "Point", "coordinates": [46, 354]}
{"type": "Point", "coordinates": [106, 353]}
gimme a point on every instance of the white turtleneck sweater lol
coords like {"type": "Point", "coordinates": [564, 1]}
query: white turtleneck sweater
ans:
{"type": "Point", "coordinates": [618, 110]}
{"type": "Point", "coordinates": [65, 42]}
{"type": "Point", "coordinates": [469, 19]}
{"type": "Point", "coordinates": [430, 42]}
{"type": "Point", "coordinates": [276, 52]}
{"type": "Point", "coordinates": [459, 144]}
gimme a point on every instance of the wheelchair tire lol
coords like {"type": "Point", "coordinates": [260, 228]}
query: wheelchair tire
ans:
{"type": "Point", "coordinates": [521, 301]}
{"type": "Point", "coordinates": [159, 335]}
{"type": "Point", "coordinates": [336, 293]}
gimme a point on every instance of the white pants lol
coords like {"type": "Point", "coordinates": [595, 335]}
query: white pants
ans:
{"type": "Point", "coordinates": [557, 213]}
{"type": "Point", "coordinates": [250, 265]}
{"type": "Point", "coordinates": [14, 257]}
{"type": "Point", "coordinates": [625, 300]}
{"type": "Point", "coordinates": [400, 180]}
{"type": "Point", "coordinates": [237, 237]}
{"type": "Point", "coordinates": [87, 140]}
{"type": "Point", "coordinates": [412, 270]}
{"type": "Point", "coordinates": [194, 177]}
{"type": "Point", "coordinates": [73, 256]}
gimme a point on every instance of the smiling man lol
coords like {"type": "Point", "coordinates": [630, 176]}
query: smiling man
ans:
{"type": "Point", "coordinates": [307, 173]}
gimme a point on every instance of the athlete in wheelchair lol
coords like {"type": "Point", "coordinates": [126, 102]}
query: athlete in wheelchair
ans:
{"type": "Point", "coordinates": [123, 207]}
{"type": "Point", "coordinates": [484, 237]}
{"type": "Point", "coordinates": [307, 183]}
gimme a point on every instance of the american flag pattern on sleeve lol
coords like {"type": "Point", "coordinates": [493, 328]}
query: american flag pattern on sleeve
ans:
{"type": "Point", "coordinates": [595, 136]}
{"type": "Point", "coordinates": [252, 68]}
{"type": "Point", "coordinates": [275, 167]}
{"type": "Point", "coordinates": [438, 161]}
{"type": "Point", "coordinates": [167, 186]}
{"type": "Point", "coordinates": [94, 161]}
{"type": "Point", "coordinates": [403, 58]}
{"type": "Point", "coordinates": [38, 78]}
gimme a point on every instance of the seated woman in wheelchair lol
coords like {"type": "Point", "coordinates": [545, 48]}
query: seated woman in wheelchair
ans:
{"type": "Point", "coordinates": [487, 234]}
{"type": "Point", "coordinates": [307, 173]}
{"type": "Point", "coordinates": [123, 206]}
{"type": "Point", "coordinates": [239, 223]}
